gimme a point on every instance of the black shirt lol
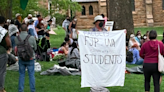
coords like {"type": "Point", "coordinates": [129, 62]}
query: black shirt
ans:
{"type": "Point", "coordinates": [18, 24]}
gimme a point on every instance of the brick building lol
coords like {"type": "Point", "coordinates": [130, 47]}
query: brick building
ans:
{"type": "Point", "coordinates": [145, 12]}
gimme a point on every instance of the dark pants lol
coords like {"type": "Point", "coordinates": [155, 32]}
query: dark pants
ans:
{"type": "Point", "coordinates": [151, 69]}
{"type": "Point", "coordinates": [3, 62]}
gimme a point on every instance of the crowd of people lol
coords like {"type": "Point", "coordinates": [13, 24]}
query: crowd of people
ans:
{"type": "Point", "coordinates": [17, 33]}
{"type": "Point", "coordinates": [144, 51]}
{"type": "Point", "coordinates": [141, 49]}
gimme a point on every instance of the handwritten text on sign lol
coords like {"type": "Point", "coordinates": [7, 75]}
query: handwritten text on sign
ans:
{"type": "Point", "coordinates": [102, 57]}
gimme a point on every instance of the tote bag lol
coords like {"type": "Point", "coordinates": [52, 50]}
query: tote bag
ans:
{"type": "Point", "coordinates": [160, 61]}
{"type": "Point", "coordinates": [74, 34]}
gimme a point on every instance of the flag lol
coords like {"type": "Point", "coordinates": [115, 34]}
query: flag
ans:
{"type": "Point", "coordinates": [23, 4]}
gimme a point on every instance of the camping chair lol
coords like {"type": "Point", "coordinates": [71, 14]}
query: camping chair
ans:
{"type": "Point", "coordinates": [42, 47]}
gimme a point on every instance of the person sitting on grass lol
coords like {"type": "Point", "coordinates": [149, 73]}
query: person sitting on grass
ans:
{"type": "Point", "coordinates": [133, 41]}
{"type": "Point", "coordinates": [136, 57]}
{"type": "Point", "coordinates": [63, 49]}
{"type": "Point", "coordinates": [68, 40]}
{"type": "Point", "coordinates": [74, 52]}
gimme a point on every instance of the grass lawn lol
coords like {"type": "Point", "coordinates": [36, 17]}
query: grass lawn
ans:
{"type": "Point", "coordinates": [59, 83]}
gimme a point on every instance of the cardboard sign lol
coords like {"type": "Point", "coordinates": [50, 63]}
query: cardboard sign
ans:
{"type": "Point", "coordinates": [109, 25]}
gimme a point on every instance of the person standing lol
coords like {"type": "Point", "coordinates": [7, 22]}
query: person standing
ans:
{"type": "Point", "coordinates": [26, 64]}
{"type": "Point", "coordinates": [40, 29]}
{"type": "Point", "coordinates": [65, 25]}
{"type": "Point", "coordinates": [18, 20]}
{"type": "Point", "coordinates": [13, 31]}
{"type": "Point", "coordinates": [39, 17]}
{"type": "Point", "coordinates": [99, 22]}
{"type": "Point", "coordinates": [72, 29]}
{"type": "Point", "coordinates": [105, 19]}
{"type": "Point", "coordinates": [149, 52]}
{"type": "Point", "coordinates": [31, 29]}
{"type": "Point", "coordinates": [5, 45]}
{"type": "Point", "coordinates": [26, 20]}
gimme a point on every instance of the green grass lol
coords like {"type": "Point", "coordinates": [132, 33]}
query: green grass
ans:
{"type": "Point", "coordinates": [59, 83]}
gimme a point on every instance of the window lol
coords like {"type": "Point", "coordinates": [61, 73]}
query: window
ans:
{"type": "Point", "coordinates": [163, 4]}
{"type": "Point", "coordinates": [90, 10]}
{"type": "Point", "coordinates": [83, 10]}
{"type": "Point", "coordinates": [133, 5]}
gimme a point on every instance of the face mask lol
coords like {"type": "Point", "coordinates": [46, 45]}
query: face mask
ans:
{"type": "Point", "coordinates": [139, 36]}
{"type": "Point", "coordinates": [145, 37]}
{"type": "Point", "coordinates": [101, 24]}
{"type": "Point", "coordinates": [42, 21]}
{"type": "Point", "coordinates": [75, 19]}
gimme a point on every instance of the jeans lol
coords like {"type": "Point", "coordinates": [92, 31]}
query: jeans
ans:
{"type": "Point", "coordinates": [40, 36]}
{"type": "Point", "coordinates": [3, 62]}
{"type": "Point", "coordinates": [140, 61]}
{"type": "Point", "coordinates": [22, 68]}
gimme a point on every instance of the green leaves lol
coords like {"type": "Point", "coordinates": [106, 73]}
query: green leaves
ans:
{"type": "Point", "coordinates": [66, 5]}
{"type": "Point", "coordinates": [33, 6]}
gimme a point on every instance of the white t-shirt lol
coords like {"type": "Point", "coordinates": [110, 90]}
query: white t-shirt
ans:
{"type": "Point", "coordinates": [26, 20]}
{"type": "Point", "coordinates": [65, 24]}
{"type": "Point", "coordinates": [2, 33]}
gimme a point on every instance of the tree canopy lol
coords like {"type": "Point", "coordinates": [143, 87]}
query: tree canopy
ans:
{"type": "Point", "coordinates": [33, 6]}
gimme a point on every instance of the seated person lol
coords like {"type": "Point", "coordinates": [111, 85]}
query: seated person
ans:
{"type": "Point", "coordinates": [63, 49]}
{"type": "Point", "coordinates": [68, 40]}
{"type": "Point", "coordinates": [136, 58]}
{"type": "Point", "coordinates": [74, 52]}
{"type": "Point", "coordinates": [132, 41]}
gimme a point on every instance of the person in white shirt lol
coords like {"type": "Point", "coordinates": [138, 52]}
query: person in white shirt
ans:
{"type": "Point", "coordinates": [65, 25]}
{"type": "Point", "coordinates": [32, 27]}
{"type": "Point", "coordinates": [26, 20]}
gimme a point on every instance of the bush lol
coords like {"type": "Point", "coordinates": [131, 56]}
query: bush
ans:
{"type": "Point", "coordinates": [59, 18]}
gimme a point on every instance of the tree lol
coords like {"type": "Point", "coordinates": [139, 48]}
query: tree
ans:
{"type": "Point", "coordinates": [14, 6]}
{"type": "Point", "coordinates": [120, 12]}
{"type": "Point", "coordinates": [65, 5]}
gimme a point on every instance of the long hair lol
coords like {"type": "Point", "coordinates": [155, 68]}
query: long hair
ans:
{"type": "Point", "coordinates": [74, 45]}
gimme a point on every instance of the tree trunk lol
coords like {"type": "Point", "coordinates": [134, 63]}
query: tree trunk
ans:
{"type": "Point", "coordinates": [120, 12]}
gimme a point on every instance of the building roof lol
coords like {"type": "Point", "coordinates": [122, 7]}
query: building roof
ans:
{"type": "Point", "coordinates": [85, 0]}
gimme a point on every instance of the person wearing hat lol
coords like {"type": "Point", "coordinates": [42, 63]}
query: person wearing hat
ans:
{"type": "Point", "coordinates": [99, 22]}
{"type": "Point", "coordinates": [13, 32]}
{"type": "Point", "coordinates": [31, 29]}
{"type": "Point", "coordinates": [18, 20]}
{"type": "Point", "coordinates": [26, 20]}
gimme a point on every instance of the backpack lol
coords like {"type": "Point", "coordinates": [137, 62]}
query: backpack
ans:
{"type": "Point", "coordinates": [129, 56]}
{"type": "Point", "coordinates": [25, 51]}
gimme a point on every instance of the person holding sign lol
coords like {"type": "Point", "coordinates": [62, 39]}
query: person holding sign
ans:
{"type": "Point", "coordinates": [5, 44]}
{"type": "Point", "coordinates": [99, 22]}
